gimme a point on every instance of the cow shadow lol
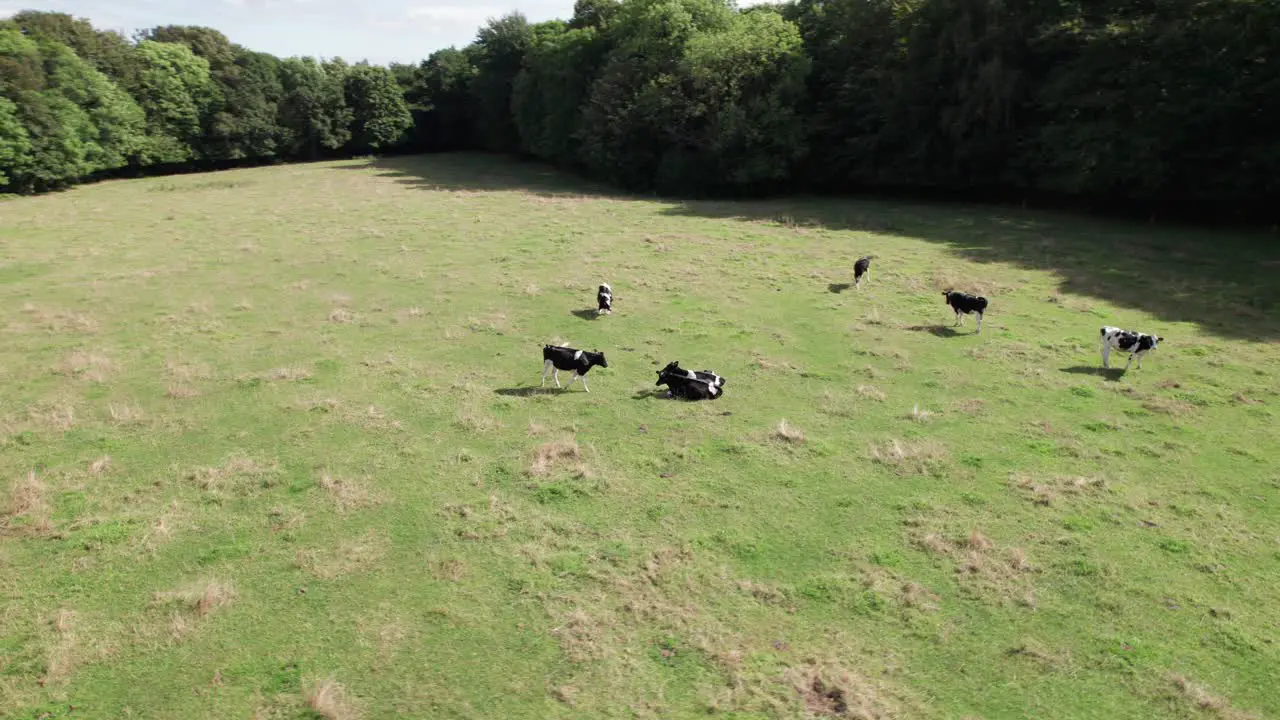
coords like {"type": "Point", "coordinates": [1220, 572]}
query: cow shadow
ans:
{"type": "Point", "coordinates": [529, 391]}
{"type": "Point", "coordinates": [1111, 374]}
{"type": "Point", "coordinates": [838, 288]}
{"type": "Point", "coordinates": [586, 314]}
{"type": "Point", "coordinates": [942, 331]}
{"type": "Point", "coordinates": [651, 394]}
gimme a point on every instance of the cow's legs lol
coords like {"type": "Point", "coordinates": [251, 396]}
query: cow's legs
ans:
{"type": "Point", "coordinates": [979, 322]}
{"type": "Point", "coordinates": [555, 374]}
{"type": "Point", "coordinates": [584, 383]}
{"type": "Point", "coordinates": [959, 318]}
{"type": "Point", "coordinates": [1126, 362]}
{"type": "Point", "coordinates": [546, 366]}
{"type": "Point", "coordinates": [1106, 355]}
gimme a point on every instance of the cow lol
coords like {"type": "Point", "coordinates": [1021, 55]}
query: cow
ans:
{"type": "Point", "coordinates": [556, 358]}
{"type": "Point", "coordinates": [604, 298]}
{"type": "Point", "coordinates": [964, 303]}
{"type": "Point", "coordinates": [1135, 343]}
{"type": "Point", "coordinates": [683, 386]}
{"type": "Point", "coordinates": [673, 368]}
{"type": "Point", "coordinates": [860, 268]}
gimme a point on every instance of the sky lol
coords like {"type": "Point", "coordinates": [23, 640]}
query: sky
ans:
{"type": "Point", "coordinates": [380, 31]}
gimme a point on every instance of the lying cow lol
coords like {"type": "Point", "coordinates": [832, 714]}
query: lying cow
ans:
{"type": "Point", "coordinates": [604, 299]}
{"type": "Point", "coordinates": [1135, 343]}
{"type": "Point", "coordinates": [556, 358]}
{"type": "Point", "coordinates": [683, 386]}
{"type": "Point", "coordinates": [704, 375]}
{"type": "Point", "coordinates": [964, 303]}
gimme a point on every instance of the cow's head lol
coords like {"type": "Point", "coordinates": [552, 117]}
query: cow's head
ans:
{"type": "Point", "coordinates": [597, 358]}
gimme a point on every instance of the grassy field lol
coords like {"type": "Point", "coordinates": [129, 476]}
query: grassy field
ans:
{"type": "Point", "coordinates": [271, 446]}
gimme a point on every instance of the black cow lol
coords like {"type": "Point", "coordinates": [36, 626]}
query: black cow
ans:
{"type": "Point", "coordinates": [674, 368]}
{"type": "Point", "coordinates": [604, 298]}
{"type": "Point", "coordinates": [682, 386]}
{"type": "Point", "coordinates": [556, 358]}
{"type": "Point", "coordinates": [964, 303]}
{"type": "Point", "coordinates": [860, 268]}
{"type": "Point", "coordinates": [1135, 343]}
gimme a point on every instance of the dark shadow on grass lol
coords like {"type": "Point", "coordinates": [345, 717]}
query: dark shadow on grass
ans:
{"type": "Point", "coordinates": [1112, 374]}
{"type": "Point", "coordinates": [654, 394]}
{"type": "Point", "coordinates": [941, 331]}
{"type": "Point", "coordinates": [528, 391]}
{"type": "Point", "coordinates": [838, 288]}
{"type": "Point", "coordinates": [586, 314]}
{"type": "Point", "coordinates": [1221, 280]}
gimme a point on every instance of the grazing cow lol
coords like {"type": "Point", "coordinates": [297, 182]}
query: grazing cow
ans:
{"type": "Point", "coordinates": [604, 298]}
{"type": "Point", "coordinates": [860, 268]}
{"type": "Point", "coordinates": [683, 386]}
{"type": "Point", "coordinates": [964, 303]}
{"type": "Point", "coordinates": [556, 358]}
{"type": "Point", "coordinates": [708, 376]}
{"type": "Point", "coordinates": [1135, 343]}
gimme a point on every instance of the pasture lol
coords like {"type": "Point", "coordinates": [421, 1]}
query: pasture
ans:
{"type": "Point", "coordinates": [271, 446]}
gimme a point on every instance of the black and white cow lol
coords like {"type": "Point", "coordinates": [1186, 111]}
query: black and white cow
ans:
{"type": "Point", "coordinates": [964, 303]}
{"type": "Point", "coordinates": [860, 268]}
{"type": "Point", "coordinates": [604, 298]}
{"type": "Point", "coordinates": [1135, 343]}
{"type": "Point", "coordinates": [673, 368]}
{"type": "Point", "coordinates": [683, 386]}
{"type": "Point", "coordinates": [556, 358]}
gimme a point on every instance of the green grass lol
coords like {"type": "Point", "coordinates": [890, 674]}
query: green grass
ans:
{"type": "Point", "coordinates": [270, 448]}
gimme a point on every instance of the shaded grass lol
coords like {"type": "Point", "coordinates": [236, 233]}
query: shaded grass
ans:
{"type": "Point", "coordinates": [326, 395]}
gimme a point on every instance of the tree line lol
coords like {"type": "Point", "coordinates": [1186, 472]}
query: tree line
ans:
{"type": "Point", "coordinates": [1141, 101]}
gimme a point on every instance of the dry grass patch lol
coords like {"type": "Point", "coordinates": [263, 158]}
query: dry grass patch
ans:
{"type": "Point", "coordinates": [788, 433]}
{"type": "Point", "coordinates": [1202, 699]}
{"type": "Point", "coordinates": [827, 689]}
{"type": "Point", "coordinates": [199, 598]}
{"type": "Point", "coordinates": [1047, 491]}
{"type": "Point", "coordinates": [551, 456]}
{"type": "Point", "coordinates": [27, 510]}
{"type": "Point", "coordinates": [286, 374]}
{"type": "Point", "coordinates": [181, 392]}
{"type": "Point", "coordinates": [474, 420]}
{"type": "Point", "coordinates": [86, 366]}
{"type": "Point", "coordinates": [194, 603]}
{"type": "Point", "coordinates": [239, 472]}
{"type": "Point", "coordinates": [910, 457]}
{"type": "Point", "coordinates": [341, 316]}
{"type": "Point", "coordinates": [354, 555]}
{"type": "Point", "coordinates": [57, 415]}
{"type": "Point", "coordinates": [101, 465]}
{"type": "Point", "coordinates": [871, 392]}
{"type": "Point", "coordinates": [983, 569]}
{"type": "Point", "coordinates": [919, 415]}
{"type": "Point", "coordinates": [61, 656]}
{"type": "Point", "coordinates": [328, 699]}
{"type": "Point", "coordinates": [348, 494]}
{"type": "Point", "coordinates": [126, 414]}
{"type": "Point", "coordinates": [971, 406]}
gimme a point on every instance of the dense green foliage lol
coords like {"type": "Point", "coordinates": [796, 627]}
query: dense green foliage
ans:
{"type": "Point", "coordinates": [1167, 100]}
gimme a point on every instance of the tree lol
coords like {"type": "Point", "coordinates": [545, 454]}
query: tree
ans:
{"type": "Point", "coordinates": [500, 48]}
{"type": "Point", "coordinates": [547, 95]}
{"type": "Point", "coordinates": [175, 90]}
{"type": "Point", "coordinates": [312, 113]}
{"type": "Point", "coordinates": [240, 118]}
{"type": "Point", "coordinates": [380, 116]}
{"type": "Point", "coordinates": [448, 122]}
{"type": "Point", "coordinates": [108, 52]}
{"type": "Point", "coordinates": [15, 144]}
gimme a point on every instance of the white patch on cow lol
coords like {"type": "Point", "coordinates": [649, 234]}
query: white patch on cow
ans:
{"type": "Point", "coordinates": [577, 356]}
